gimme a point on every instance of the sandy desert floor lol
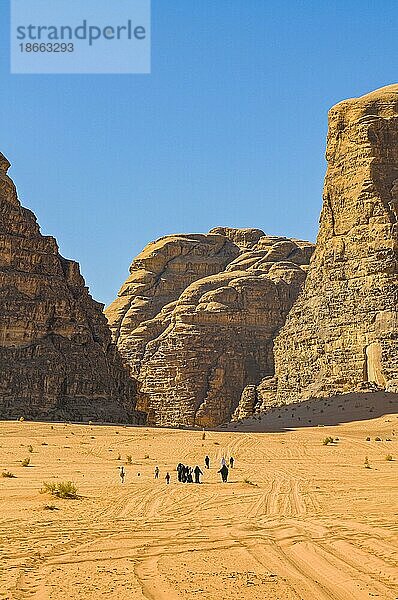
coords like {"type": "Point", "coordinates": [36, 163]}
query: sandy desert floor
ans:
{"type": "Point", "coordinates": [298, 520]}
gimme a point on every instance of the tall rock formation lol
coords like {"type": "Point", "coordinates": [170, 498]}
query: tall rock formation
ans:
{"type": "Point", "coordinates": [343, 330]}
{"type": "Point", "coordinates": [197, 317]}
{"type": "Point", "coordinates": [56, 356]}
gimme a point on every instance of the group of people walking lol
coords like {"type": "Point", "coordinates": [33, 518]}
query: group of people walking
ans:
{"type": "Point", "coordinates": [187, 474]}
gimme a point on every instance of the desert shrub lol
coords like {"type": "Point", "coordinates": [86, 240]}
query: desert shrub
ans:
{"type": "Point", "coordinates": [129, 459]}
{"type": "Point", "coordinates": [6, 473]}
{"type": "Point", "coordinates": [389, 457]}
{"type": "Point", "coordinates": [119, 457]}
{"type": "Point", "coordinates": [368, 439]}
{"type": "Point", "coordinates": [44, 444]}
{"type": "Point", "coordinates": [377, 439]}
{"type": "Point", "coordinates": [328, 440]}
{"type": "Point", "coordinates": [48, 487]}
{"type": "Point", "coordinates": [146, 456]}
{"type": "Point", "coordinates": [30, 448]}
{"type": "Point", "coordinates": [66, 489]}
{"type": "Point", "coordinates": [25, 462]}
{"type": "Point", "coordinates": [367, 465]}
{"type": "Point", "coordinates": [50, 507]}
{"type": "Point", "coordinates": [216, 443]}
{"type": "Point", "coordinates": [246, 480]}
{"type": "Point", "coordinates": [21, 419]}
{"type": "Point", "coordinates": [63, 489]}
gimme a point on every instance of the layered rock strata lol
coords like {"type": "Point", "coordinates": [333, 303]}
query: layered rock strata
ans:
{"type": "Point", "coordinates": [56, 356]}
{"type": "Point", "coordinates": [342, 333]}
{"type": "Point", "coordinates": [197, 317]}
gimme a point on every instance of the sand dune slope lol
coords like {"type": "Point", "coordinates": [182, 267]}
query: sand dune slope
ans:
{"type": "Point", "coordinates": [310, 521]}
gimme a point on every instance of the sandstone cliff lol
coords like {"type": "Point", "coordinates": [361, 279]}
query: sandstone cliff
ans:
{"type": "Point", "coordinates": [197, 317]}
{"type": "Point", "coordinates": [342, 333]}
{"type": "Point", "coordinates": [56, 356]}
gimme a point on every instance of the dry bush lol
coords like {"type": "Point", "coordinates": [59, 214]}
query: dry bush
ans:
{"type": "Point", "coordinates": [63, 489]}
{"type": "Point", "coordinates": [6, 473]}
{"type": "Point", "coordinates": [389, 457]}
{"type": "Point", "coordinates": [25, 462]}
{"type": "Point", "coordinates": [328, 440]}
{"type": "Point", "coordinates": [250, 482]}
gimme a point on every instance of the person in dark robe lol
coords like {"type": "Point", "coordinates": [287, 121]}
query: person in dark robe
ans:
{"type": "Point", "coordinates": [197, 471]}
{"type": "Point", "coordinates": [189, 475]}
{"type": "Point", "coordinates": [207, 462]}
{"type": "Point", "coordinates": [224, 473]}
{"type": "Point", "coordinates": [167, 478]}
{"type": "Point", "coordinates": [122, 474]}
{"type": "Point", "coordinates": [231, 462]}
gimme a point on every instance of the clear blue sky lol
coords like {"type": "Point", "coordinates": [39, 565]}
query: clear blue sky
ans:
{"type": "Point", "coordinates": [229, 129]}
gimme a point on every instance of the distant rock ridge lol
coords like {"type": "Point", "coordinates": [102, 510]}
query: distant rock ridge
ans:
{"type": "Point", "coordinates": [197, 317]}
{"type": "Point", "coordinates": [56, 357]}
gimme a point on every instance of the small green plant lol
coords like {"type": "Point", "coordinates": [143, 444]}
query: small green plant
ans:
{"type": "Point", "coordinates": [129, 459]}
{"type": "Point", "coordinates": [367, 465]}
{"type": "Point", "coordinates": [50, 507]}
{"type": "Point", "coordinates": [377, 439]}
{"type": "Point", "coordinates": [328, 440]}
{"type": "Point", "coordinates": [389, 457]}
{"type": "Point", "coordinates": [63, 489]}
{"type": "Point", "coordinates": [246, 480]}
{"type": "Point", "coordinates": [30, 448]}
{"type": "Point", "coordinates": [25, 462]}
{"type": "Point", "coordinates": [6, 473]}
{"type": "Point", "coordinates": [48, 488]}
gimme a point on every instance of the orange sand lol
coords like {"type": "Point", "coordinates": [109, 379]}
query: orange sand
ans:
{"type": "Point", "coordinates": [310, 523]}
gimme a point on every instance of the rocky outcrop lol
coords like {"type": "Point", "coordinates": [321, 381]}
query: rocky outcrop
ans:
{"type": "Point", "coordinates": [56, 356]}
{"type": "Point", "coordinates": [342, 333]}
{"type": "Point", "coordinates": [197, 317]}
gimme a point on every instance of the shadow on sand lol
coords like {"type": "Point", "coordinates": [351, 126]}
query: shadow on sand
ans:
{"type": "Point", "coordinates": [320, 412]}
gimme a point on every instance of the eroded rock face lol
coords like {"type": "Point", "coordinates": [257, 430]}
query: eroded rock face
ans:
{"type": "Point", "coordinates": [197, 317]}
{"type": "Point", "coordinates": [342, 333]}
{"type": "Point", "coordinates": [56, 356]}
